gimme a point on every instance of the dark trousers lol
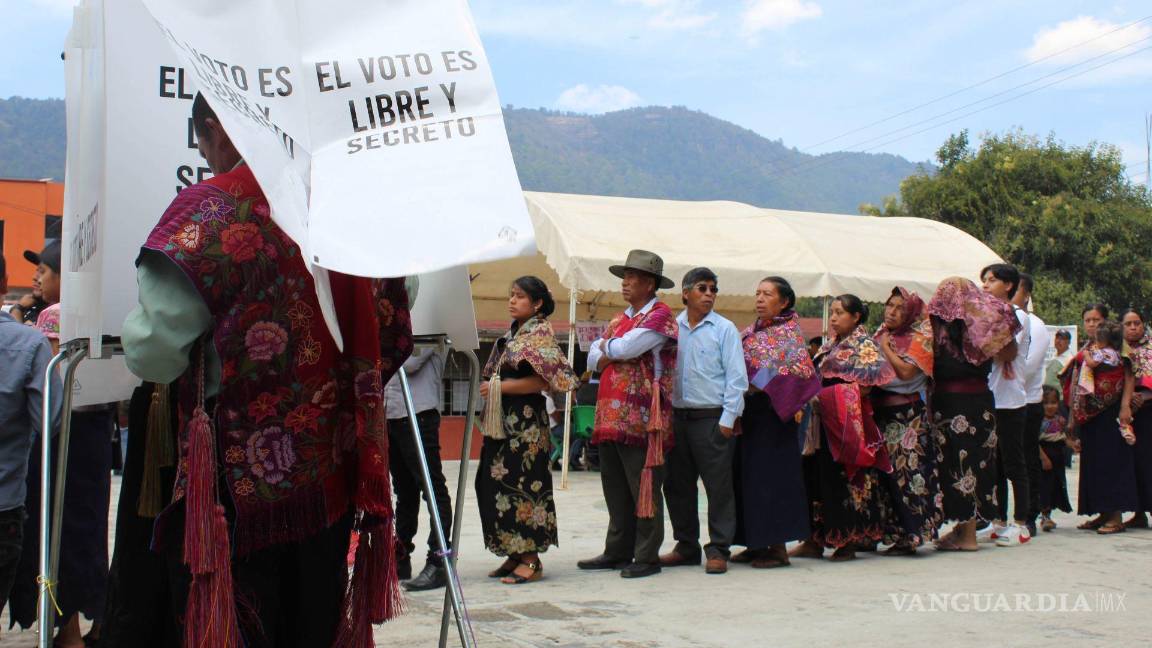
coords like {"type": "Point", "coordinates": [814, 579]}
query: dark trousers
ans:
{"type": "Point", "coordinates": [701, 453]}
{"type": "Point", "coordinates": [408, 481]}
{"type": "Point", "coordinates": [630, 537]}
{"type": "Point", "coordinates": [1034, 416]}
{"type": "Point", "coordinates": [1010, 424]}
{"type": "Point", "coordinates": [11, 546]}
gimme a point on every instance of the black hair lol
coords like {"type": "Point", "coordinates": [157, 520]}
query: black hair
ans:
{"type": "Point", "coordinates": [1026, 282]}
{"type": "Point", "coordinates": [1005, 272]}
{"type": "Point", "coordinates": [852, 304]}
{"type": "Point", "coordinates": [696, 275]}
{"type": "Point", "coordinates": [3, 266]}
{"type": "Point", "coordinates": [1049, 390]}
{"type": "Point", "coordinates": [1099, 308]}
{"type": "Point", "coordinates": [1110, 333]}
{"type": "Point", "coordinates": [816, 340]}
{"type": "Point", "coordinates": [1064, 334]}
{"type": "Point", "coordinates": [201, 112]}
{"type": "Point", "coordinates": [1135, 311]}
{"type": "Point", "coordinates": [537, 291]}
{"type": "Point", "coordinates": [785, 290]}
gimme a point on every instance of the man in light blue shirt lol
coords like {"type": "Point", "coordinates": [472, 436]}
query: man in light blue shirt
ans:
{"type": "Point", "coordinates": [709, 396]}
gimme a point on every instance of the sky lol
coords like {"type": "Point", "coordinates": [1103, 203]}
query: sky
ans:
{"type": "Point", "coordinates": [820, 75]}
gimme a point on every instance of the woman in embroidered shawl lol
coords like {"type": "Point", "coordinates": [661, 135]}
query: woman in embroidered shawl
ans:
{"type": "Point", "coordinates": [514, 483]}
{"type": "Point", "coordinates": [969, 327]}
{"type": "Point", "coordinates": [770, 505]}
{"type": "Point", "coordinates": [1138, 409]}
{"type": "Point", "coordinates": [1107, 462]}
{"type": "Point", "coordinates": [913, 488]}
{"type": "Point", "coordinates": [843, 473]}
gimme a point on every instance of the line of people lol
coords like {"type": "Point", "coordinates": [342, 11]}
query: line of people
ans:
{"type": "Point", "coordinates": [878, 437]}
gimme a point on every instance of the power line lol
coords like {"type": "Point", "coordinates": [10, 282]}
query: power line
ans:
{"type": "Point", "coordinates": [824, 160]}
{"type": "Point", "coordinates": [976, 85]}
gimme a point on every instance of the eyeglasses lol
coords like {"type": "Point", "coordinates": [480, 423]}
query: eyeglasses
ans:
{"type": "Point", "coordinates": [705, 288]}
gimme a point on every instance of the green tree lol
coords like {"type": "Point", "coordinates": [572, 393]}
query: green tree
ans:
{"type": "Point", "coordinates": [1066, 214]}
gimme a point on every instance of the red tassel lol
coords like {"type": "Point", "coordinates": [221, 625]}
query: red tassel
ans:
{"type": "Point", "coordinates": [645, 502]}
{"type": "Point", "coordinates": [373, 595]}
{"type": "Point", "coordinates": [646, 499]}
{"type": "Point", "coordinates": [210, 615]}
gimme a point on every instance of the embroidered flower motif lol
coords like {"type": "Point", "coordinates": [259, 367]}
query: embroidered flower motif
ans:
{"type": "Point", "coordinates": [270, 454]}
{"type": "Point", "coordinates": [308, 351]}
{"type": "Point", "coordinates": [244, 487]}
{"type": "Point", "coordinates": [368, 384]}
{"type": "Point", "coordinates": [868, 354]}
{"type": "Point", "coordinates": [300, 315]}
{"type": "Point", "coordinates": [234, 454]}
{"type": "Point", "coordinates": [265, 340]}
{"type": "Point", "coordinates": [498, 471]}
{"type": "Point", "coordinates": [241, 241]}
{"type": "Point", "coordinates": [325, 397]}
{"type": "Point", "coordinates": [188, 238]}
{"type": "Point", "coordinates": [260, 210]}
{"type": "Point", "coordinates": [960, 424]}
{"type": "Point", "coordinates": [524, 511]}
{"type": "Point", "coordinates": [214, 209]}
{"type": "Point", "coordinates": [966, 484]}
{"type": "Point", "coordinates": [910, 437]}
{"type": "Point", "coordinates": [303, 418]}
{"type": "Point", "coordinates": [263, 407]}
{"type": "Point", "coordinates": [387, 312]}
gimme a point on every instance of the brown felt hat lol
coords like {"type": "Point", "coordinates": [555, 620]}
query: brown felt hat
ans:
{"type": "Point", "coordinates": [644, 261]}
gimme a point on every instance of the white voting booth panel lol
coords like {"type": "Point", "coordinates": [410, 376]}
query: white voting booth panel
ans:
{"type": "Point", "coordinates": [408, 201]}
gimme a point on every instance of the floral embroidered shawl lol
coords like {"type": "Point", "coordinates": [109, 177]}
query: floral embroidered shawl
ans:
{"type": "Point", "coordinates": [855, 358]}
{"type": "Point", "coordinates": [535, 343]}
{"type": "Point", "coordinates": [624, 399]}
{"type": "Point", "coordinates": [990, 324]}
{"type": "Point", "coordinates": [299, 424]}
{"type": "Point", "coordinates": [1107, 386]}
{"type": "Point", "coordinates": [1141, 356]}
{"type": "Point", "coordinates": [1052, 429]}
{"type": "Point", "coordinates": [778, 364]}
{"type": "Point", "coordinates": [913, 340]}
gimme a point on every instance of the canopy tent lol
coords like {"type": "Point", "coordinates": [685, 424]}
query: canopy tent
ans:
{"type": "Point", "coordinates": [579, 237]}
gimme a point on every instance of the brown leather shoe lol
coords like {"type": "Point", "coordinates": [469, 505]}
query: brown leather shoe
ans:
{"type": "Point", "coordinates": [716, 566]}
{"type": "Point", "coordinates": [676, 559]}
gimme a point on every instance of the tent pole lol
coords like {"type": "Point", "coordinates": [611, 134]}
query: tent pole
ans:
{"type": "Point", "coordinates": [824, 326]}
{"type": "Point", "coordinates": [572, 296]}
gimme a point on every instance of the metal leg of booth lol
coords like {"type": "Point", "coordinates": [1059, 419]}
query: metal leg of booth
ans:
{"type": "Point", "coordinates": [462, 482]}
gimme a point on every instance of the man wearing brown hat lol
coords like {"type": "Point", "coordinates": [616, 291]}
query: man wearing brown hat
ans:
{"type": "Point", "coordinates": [637, 361]}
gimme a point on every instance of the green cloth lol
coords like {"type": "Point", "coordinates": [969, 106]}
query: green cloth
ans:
{"type": "Point", "coordinates": [159, 333]}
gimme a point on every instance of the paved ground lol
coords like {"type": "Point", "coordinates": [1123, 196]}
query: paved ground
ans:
{"type": "Point", "coordinates": [1100, 587]}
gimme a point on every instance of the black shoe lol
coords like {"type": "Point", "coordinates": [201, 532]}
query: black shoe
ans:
{"type": "Point", "coordinates": [603, 561]}
{"type": "Point", "coordinates": [432, 577]}
{"type": "Point", "coordinates": [640, 570]}
{"type": "Point", "coordinates": [1031, 528]}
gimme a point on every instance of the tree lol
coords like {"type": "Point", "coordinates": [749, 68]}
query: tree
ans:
{"type": "Point", "coordinates": [1066, 214]}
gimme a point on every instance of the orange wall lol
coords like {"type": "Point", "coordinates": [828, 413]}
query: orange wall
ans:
{"type": "Point", "coordinates": [23, 206]}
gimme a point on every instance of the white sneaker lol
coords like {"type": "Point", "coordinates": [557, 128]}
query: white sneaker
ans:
{"type": "Point", "coordinates": [1013, 536]}
{"type": "Point", "coordinates": [986, 534]}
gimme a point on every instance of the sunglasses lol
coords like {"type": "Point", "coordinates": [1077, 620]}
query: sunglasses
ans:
{"type": "Point", "coordinates": [705, 288]}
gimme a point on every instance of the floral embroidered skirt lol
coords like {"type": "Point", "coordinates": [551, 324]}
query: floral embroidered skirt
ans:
{"type": "Point", "coordinates": [913, 486]}
{"type": "Point", "coordinates": [514, 482]}
{"type": "Point", "coordinates": [966, 426]}
{"type": "Point", "coordinates": [842, 511]}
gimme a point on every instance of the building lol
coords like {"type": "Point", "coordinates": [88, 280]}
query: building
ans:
{"type": "Point", "coordinates": [30, 212]}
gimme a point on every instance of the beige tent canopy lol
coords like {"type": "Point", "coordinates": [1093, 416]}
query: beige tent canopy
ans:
{"type": "Point", "coordinates": [579, 237]}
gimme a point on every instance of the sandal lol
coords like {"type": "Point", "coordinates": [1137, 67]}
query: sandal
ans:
{"type": "Point", "coordinates": [516, 579]}
{"type": "Point", "coordinates": [1091, 525]}
{"type": "Point", "coordinates": [1110, 528]}
{"type": "Point", "coordinates": [807, 549]}
{"type": "Point", "coordinates": [504, 569]}
{"type": "Point", "coordinates": [948, 543]}
{"type": "Point", "coordinates": [1135, 522]}
{"type": "Point", "coordinates": [843, 554]}
{"type": "Point", "coordinates": [900, 549]}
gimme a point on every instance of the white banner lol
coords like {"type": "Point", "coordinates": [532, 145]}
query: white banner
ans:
{"type": "Point", "coordinates": [385, 111]}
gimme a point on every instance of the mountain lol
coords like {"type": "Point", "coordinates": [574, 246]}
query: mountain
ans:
{"type": "Point", "coordinates": [652, 152]}
{"type": "Point", "coordinates": [32, 138]}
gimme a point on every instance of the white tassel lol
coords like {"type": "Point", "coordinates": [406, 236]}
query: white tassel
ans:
{"type": "Point", "coordinates": [494, 411]}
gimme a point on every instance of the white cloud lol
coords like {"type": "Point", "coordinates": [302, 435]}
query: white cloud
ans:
{"type": "Point", "coordinates": [600, 99]}
{"type": "Point", "coordinates": [675, 14]}
{"type": "Point", "coordinates": [762, 15]}
{"type": "Point", "coordinates": [1086, 37]}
